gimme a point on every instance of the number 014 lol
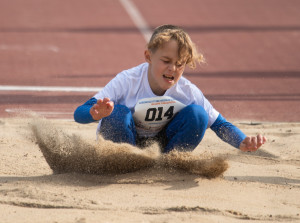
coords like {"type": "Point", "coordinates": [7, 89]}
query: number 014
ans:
{"type": "Point", "coordinates": [151, 114]}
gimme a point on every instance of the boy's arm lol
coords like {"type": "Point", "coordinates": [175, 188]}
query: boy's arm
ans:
{"type": "Point", "coordinates": [235, 137]}
{"type": "Point", "coordinates": [82, 113]}
{"type": "Point", "coordinates": [228, 132]}
{"type": "Point", "coordinates": [93, 110]}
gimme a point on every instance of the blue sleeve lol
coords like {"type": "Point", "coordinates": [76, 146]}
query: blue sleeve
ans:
{"type": "Point", "coordinates": [82, 113]}
{"type": "Point", "coordinates": [228, 132]}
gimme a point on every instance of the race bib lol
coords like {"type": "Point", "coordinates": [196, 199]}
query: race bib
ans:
{"type": "Point", "coordinates": [152, 114]}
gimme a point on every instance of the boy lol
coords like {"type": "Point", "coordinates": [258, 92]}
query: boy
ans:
{"type": "Point", "coordinates": [154, 101]}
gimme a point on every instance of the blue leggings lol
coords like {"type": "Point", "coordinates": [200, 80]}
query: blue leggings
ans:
{"type": "Point", "coordinates": [184, 132]}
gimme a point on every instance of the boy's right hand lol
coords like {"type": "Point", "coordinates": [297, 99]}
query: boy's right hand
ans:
{"type": "Point", "coordinates": [102, 109]}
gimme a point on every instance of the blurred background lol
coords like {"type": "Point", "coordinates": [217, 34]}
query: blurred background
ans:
{"type": "Point", "coordinates": [56, 54]}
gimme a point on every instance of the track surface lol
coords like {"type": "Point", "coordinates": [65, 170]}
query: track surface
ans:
{"type": "Point", "coordinates": [252, 48]}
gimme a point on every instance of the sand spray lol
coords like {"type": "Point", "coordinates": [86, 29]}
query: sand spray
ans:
{"type": "Point", "coordinates": [71, 153]}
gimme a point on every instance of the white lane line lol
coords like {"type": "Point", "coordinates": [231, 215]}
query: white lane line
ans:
{"type": "Point", "coordinates": [20, 110]}
{"type": "Point", "coordinates": [48, 88]}
{"type": "Point", "coordinates": [137, 18]}
{"type": "Point", "coordinates": [31, 48]}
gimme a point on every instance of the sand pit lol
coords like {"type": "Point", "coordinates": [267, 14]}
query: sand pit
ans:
{"type": "Point", "coordinates": [44, 176]}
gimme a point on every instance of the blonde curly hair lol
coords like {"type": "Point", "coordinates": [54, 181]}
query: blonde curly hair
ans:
{"type": "Point", "coordinates": [187, 51]}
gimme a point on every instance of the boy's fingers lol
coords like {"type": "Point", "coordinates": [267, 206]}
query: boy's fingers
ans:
{"type": "Point", "coordinates": [264, 139]}
{"type": "Point", "coordinates": [99, 102]}
{"type": "Point", "coordinates": [110, 104]}
{"type": "Point", "coordinates": [253, 142]}
{"type": "Point", "coordinates": [105, 100]}
{"type": "Point", "coordinates": [250, 144]}
{"type": "Point", "coordinates": [247, 140]}
{"type": "Point", "coordinates": [104, 103]}
{"type": "Point", "coordinates": [244, 144]}
{"type": "Point", "coordinates": [95, 108]}
{"type": "Point", "coordinates": [93, 111]}
{"type": "Point", "coordinates": [260, 140]}
{"type": "Point", "coordinates": [254, 145]}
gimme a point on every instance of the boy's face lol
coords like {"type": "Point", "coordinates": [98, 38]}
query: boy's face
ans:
{"type": "Point", "coordinates": [164, 68]}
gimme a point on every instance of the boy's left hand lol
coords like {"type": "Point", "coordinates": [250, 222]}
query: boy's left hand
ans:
{"type": "Point", "coordinates": [251, 144]}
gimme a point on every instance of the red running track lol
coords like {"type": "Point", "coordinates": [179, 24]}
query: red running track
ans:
{"type": "Point", "coordinates": [252, 49]}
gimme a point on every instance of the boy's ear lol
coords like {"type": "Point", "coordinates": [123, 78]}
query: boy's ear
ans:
{"type": "Point", "coordinates": [147, 55]}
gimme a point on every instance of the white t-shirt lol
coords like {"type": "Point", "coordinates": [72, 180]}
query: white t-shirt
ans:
{"type": "Point", "coordinates": [131, 88]}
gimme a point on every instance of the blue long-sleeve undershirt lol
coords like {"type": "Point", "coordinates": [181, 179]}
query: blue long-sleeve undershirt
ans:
{"type": "Point", "coordinates": [82, 113]}
{"type": "Point", "coordinates": [228, 132]}
{"type": "Point", "coordinates": [224, 129]}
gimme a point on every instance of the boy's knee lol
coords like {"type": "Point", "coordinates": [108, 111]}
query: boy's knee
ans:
{"type": "Point", "coordinates": [120, 110]}
{"type": "Point", "coordinates": [120, 116]}
{"type": "Point", "coordinates": [116, 126]}
{"type": "Point", "coordinates": [195, 114]}
{"type": "Point", "coordinates": [187, 129]}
